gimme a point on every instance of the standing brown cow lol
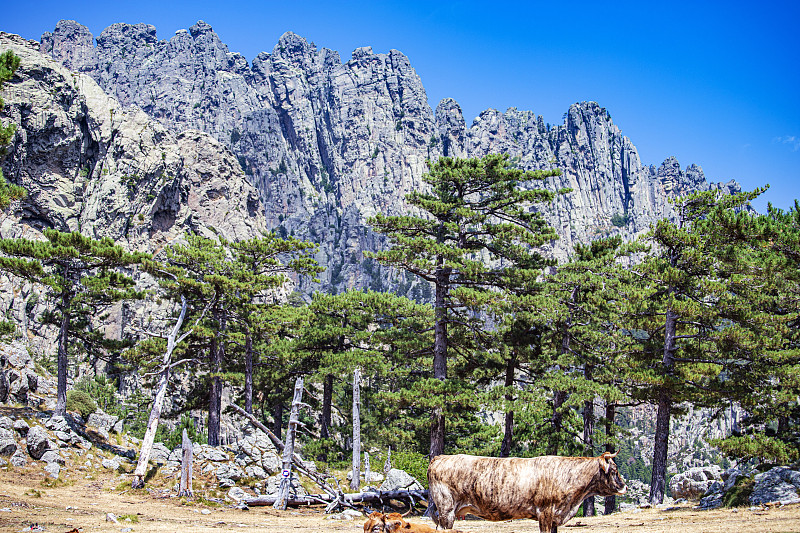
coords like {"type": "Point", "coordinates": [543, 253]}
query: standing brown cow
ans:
{"type": "Point", "coordinates": [549, 489]}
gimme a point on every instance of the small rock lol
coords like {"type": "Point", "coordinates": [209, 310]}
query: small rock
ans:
{"type": "Point", "coordinates": [111, 464]}
{"type": "Point", "coordinates": [110, 517]}
{"type": "Point", "coordinates": [126, 529]}
{"type": "Point", "coordinates": [205, 511]}
{"type": "Point", "coordinates": [7, 447]}
{"type": "Point", "coordinates": [53, 469]}
{"type": "Point", "coordinates": [21, 427]}
{"type": "Point", "coordinates": [38, 442]}
{"type": "Point", "coordinates": [237, 494]}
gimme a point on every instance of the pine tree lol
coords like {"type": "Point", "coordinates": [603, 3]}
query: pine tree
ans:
{"type": "Point", "coordinates": [762, 254]}
{"type": "Point", "coordinates": [262, 266]}
{"type": "Point", "coordinates": [8, 192]}
{"type": "Point", "coordinates": [381, 334]}
{"type": "Point", "coordinates": [477, 213]}
{"type": "Point", "coordinates": [82, 276]}
{"type": "Point", "coordinates": [692, 322]}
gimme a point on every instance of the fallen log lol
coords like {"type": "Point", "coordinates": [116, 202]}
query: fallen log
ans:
{"type": "Point", "coordinates": [359, 497]}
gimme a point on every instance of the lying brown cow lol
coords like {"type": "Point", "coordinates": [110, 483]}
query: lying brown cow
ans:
{"type": "Point", "coordinates": [395, 523]}
{"type": "Point", "coordinates": [549, 489]}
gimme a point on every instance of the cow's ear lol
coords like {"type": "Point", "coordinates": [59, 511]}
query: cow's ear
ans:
{"type": "Point", "coordinates": [605, 462]}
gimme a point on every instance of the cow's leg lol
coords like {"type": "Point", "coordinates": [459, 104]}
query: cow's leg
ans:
{"type": "Point", "coordinates": [546, 522]}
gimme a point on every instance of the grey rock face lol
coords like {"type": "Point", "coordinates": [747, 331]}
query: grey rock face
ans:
{"type": "Point", "coordinates": [38, 442]}
{"type": "Point", "coordinates": [778, 484]}
{"type": "Point", "coordinates": [322, 139]}
{"type": "Point", "coordinates": [273, 483]}
{"type": "Point", "coordinates": [6, 422]}
{"type": "Point", "coordinates": [694, 482]}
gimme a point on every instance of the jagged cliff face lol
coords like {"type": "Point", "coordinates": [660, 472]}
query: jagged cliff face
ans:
{"type": "Point", "coordinates": [328, 143]}
{"type": "Point", "coordinates": [90, 164]}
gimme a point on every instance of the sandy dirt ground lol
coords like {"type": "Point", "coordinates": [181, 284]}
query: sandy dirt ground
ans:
{"type": "Point", "coordinates": [25, 501]}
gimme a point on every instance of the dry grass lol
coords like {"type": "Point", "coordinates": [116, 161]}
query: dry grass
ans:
{"type": "Point", "coordinates": [83, 504]}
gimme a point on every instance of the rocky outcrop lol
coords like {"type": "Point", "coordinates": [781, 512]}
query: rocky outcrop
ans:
{"type": "Point", "coordinates": [695, 482]}
{"type": "Point", "coordinates": [779, 484]}
{"type": "Point", "coordinates": [330, 142]}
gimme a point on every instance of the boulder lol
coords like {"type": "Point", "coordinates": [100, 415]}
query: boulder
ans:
{"type": "Point", "coordinates": [781, 483]}
{"type": "Point", "coordinates": [8, 447]}
{"type": "Point", "coordinates": [38, 442]}
{"type": "Point", "coordinates": [159, 453]}
{"type": "Point", "coordinates": [101, 420]}
{"type": "Point", "coordinates": [397, 479]}
{"type": "Point", "coordinates": [52, 456]}
{"type": "Point", "coordinates": [18, 459]}
{"type": "Point", "coordinates": [273, 483]}
{"type": "Point", "coordinates": [6, 423]}
{"type": "Point", "coordinates": [111, 464]}
{"type": "Point", "coordinates": [21, 427]}
{"type": "Point", "coordinates": [52, 469]}
{"type": "Point", "coordinates": [695, 482]}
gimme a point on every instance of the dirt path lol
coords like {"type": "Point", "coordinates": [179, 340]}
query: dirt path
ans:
{"type": "Point", "coordinates": [83, 504]}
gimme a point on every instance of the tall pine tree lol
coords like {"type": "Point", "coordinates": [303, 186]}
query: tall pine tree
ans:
{"type": "Point", "coordinates": [476, 213]}
{"type": "Point", "coordinates": [82, 277]}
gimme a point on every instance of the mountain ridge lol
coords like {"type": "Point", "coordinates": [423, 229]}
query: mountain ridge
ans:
{"type": "Point", "coordinates": [328, 143]}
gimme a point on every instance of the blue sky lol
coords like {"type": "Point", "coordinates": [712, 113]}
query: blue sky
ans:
{"type": "Point", "coordinates": [712, 83]}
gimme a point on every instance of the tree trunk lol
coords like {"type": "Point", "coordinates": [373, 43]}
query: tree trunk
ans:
{"type": "Point", "coordinates": [215, 394]}
{"type": "Point", "coordinates": [508, 436]}
{"type": "Point", "coordinates": [185, 488]}
{"type": "Point", "coordinates": [611, 407]}
{"type": "Point", "coordinates": [248, 373]}
{"type": "Point", "coordinates": [559, 397]}
{"type": "Point", "coordinates": [277, 417]}
{"type": "Point", "coordinates": [158, 402]}
{"type": "Point", "coordinates": [288, 450]}
{"type": "Point", "coordinates": [440, 356]}
{"type": "Point", "coordinates": [327, 400]}
{"type": "Point", "coordinates": [63, 338]}
{"type": "Point", "coordinates": [150, 432]}
{"type": "Point", "coordinates": [355, 483]}
{"type": "Point", "coordinates": [661, 439]}
{"type": "Point", "coordinates": [588, 437]}
{"type": "Point", "coordinates": [367, 469]}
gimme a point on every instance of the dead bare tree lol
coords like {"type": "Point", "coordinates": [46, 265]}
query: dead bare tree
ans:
{"type": "Point", "coordinates": [288, 451]}
{"type": "Point", "coordinates": [355, 483]}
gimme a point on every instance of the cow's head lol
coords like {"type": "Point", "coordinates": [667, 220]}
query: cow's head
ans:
{"type": "Point", "coordinates": [611, 483]}
{"type": "Point", "coordinates": [394, 522]}
{"type": "Point", "coordinates": [375, 523]}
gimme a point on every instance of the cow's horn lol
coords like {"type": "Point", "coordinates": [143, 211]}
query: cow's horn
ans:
{"type": "Point", "coordinates": [410, 508]}
{"type": "Point", "coordinates": [612, 455]}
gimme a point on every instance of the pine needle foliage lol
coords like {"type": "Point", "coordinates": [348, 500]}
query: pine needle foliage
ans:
{"type": "Point", "coordinates": [82, 277]}
{"type": "Point", "coordinates": [475, 215]}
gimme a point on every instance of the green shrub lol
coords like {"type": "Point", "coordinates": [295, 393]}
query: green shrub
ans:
{"type": "Point", "coordinates": [102, 390]}
{"type": "Point", "coordinates": [78, 400]}
{"type": "Point", "coordinates": [415, 464]}
{"type": "Point", "coordinates": [739, 494]}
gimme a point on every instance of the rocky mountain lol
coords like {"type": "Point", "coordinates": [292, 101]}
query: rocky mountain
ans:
{"type": "Point", "coordinates": [90, 164]}
{"type": "Point", "coordinates": [142, 139]}
{"type": "Point", "coordinates": [328, 142]}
